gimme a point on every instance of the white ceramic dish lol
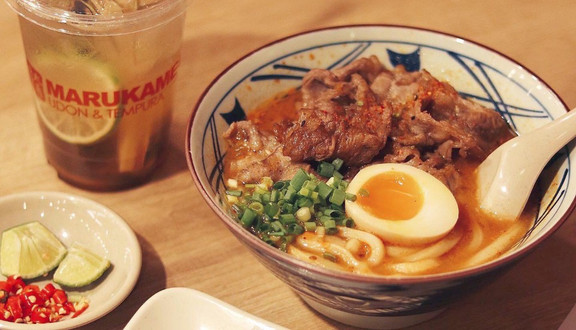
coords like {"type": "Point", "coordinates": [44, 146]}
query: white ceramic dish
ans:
{"type": "Point", "coordinates": [72, 218]}
{"type": "Point", "coordinates": [183, 308]}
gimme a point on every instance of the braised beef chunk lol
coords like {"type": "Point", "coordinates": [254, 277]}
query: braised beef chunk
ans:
{"type": "Point", "coordinates": [252, 155]}
{"type": "Point", "coordinates": [432, 124]}
{"type": "Point", "coordinates": [340, 116]}
{"type": "Point", "coordinates": [364, 113]}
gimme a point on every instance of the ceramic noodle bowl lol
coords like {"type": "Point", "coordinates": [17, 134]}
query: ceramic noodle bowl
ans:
{"type": "Point", "coordinates": [476, 72]}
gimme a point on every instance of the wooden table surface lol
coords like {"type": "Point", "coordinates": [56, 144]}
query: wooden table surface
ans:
{"type": "Point", "coordinates": [183, 242]}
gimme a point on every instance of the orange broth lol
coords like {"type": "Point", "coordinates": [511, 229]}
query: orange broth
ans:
{"type": "Point", "coordinates": [273, 112]}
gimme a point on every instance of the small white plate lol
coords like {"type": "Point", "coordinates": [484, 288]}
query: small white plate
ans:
{"type": "Point", "coordinates": [72, 218]}
{"type": "Point", "coordinates": [183, 308]}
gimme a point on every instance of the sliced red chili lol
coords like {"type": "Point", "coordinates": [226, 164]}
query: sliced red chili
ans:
{"type": "Point", "coordinates": [32, 304]}
{"type": "Point", "coordinates": [47, 292]}
{"type": "Point", "coordinates": [81, 307]}
{"type": "Point", "coordinates": [5, 314]}
{"type": "Point", "coordinates": [30, 297]}
{"type": "Point", "coordinates": [16, 283]}
{"type": "Point", "coordinates": [5, 286]}
{"type": "Point", "coordinates": [40, 315]}
{"type": "Point", "coordinates": [31, 288]}
{"type": "Point", "coordinates": [59, 296]}
{"type": "Point", "coordinates": [13, 306]}
{"type": "Point", "coordinates": [69, 306]}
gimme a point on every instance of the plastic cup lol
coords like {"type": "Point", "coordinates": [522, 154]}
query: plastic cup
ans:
{"type": "Point", "coordinates": [103, 88]}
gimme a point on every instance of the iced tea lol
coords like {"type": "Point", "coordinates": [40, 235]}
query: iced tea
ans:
{"type": "Point", "coordinates": [104, 95]}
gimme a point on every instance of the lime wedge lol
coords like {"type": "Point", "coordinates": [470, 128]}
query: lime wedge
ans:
{"type": "Point", "coordinates": [30, 250]}
{"type": "Point", "coordinates": [74, 87]}
{"type": "Point", "coordinates": [80, 267]}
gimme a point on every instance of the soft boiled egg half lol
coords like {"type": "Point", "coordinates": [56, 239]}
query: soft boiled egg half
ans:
{"type": "Point", "coordinates": [401, 204]}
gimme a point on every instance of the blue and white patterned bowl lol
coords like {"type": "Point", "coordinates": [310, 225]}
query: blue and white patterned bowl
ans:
{"type": "Point", "coordinates": [477, 72]}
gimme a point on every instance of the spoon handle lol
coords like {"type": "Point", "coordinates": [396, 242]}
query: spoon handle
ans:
{"type": "Point", "coordinates": [545, 141]}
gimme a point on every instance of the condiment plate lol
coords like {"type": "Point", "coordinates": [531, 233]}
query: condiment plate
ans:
{"type": "Point", "coordinates": [184, 308]}
{"type": "Point", "coordinates": [73, 218]}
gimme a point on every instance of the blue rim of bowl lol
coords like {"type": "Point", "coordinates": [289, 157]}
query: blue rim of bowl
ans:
{"type": "Point", "coordinates": [255, 242]}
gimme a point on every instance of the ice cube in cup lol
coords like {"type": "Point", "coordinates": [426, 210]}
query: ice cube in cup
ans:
{"type": "Point", "coordinates": [100, 7]}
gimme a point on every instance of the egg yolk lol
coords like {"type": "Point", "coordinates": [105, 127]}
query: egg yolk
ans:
{"type": "Point", "coordinates": [391, 196]}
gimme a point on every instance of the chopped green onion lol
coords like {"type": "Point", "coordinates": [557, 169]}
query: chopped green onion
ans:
{"type": "Point", "coordinates": [260, 190]}
{"type": "Point", "coordinates": [348, 222]}
{"type": "Point", "coordinates": [334, 182]}
{"type": "Point", "coordinates": [310, 226]}
{"type": "Point", "coordinates": [287, 208]}
{"type": "Point", "coordinates": [310, 185]}
{"type": "Point", "coordinates": [324, 218]}
{"type": "Point", "coordinates": [350, 197]}
{"type": "Point", "coordinates": [304, 202]}
{"type": "Point", "coordinates": [263, 226]}
{"type": "Point", "coordinates": [330, 224]}
{"type": "Point", "coordinates": [280, 185]}
{"type": "Point", "coordinates": [298, 180]}
{"type": "Point", "coordinates": [257, 207]}
{"type": "Point", "coordinates": [277, 226]}
{"type": "Point", "coordinates": [325, 169]}
{"type": "Point", "coordinates": [256, 197]}
{"type": "Point", "coordinates": [333, 213]}
{"type": "Point", "coordinates": [303, 214]}
{"type": "Point", "coordinates": [337, 174]}
{"type": "Point", "coordinates": [324, 190]}
{"type": "Point", "coordinates": [314, 197]}
{"type": "Point", "coordinates": [248, 217]}
{"type": "Point", "coordinates": [305, 192]}
{"type": "Point", "coordinates": [287, 218]}
{"type": "Point", "coordinates": [337, 197]}
{"type": "Point", "coordinates": [290, 194]}
{"type": "Point", "coordinates": [279, 211]}
{"type": "Point", "coordinates": [294, 229]}
{"type": "Point", "coordinates": [274, 196]}
{"type": "Point", "coordinates": [266, 197]}
{"type": "Point", "coordinates": [271, 210]}
{"type": "Point", "coordinates": [331, 230]}
{"type": "Point", "coordinates": [337, 164]}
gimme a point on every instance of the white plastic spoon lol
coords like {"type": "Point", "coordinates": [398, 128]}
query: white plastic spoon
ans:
{"type": "Point", "coordinates": [506, 177]}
